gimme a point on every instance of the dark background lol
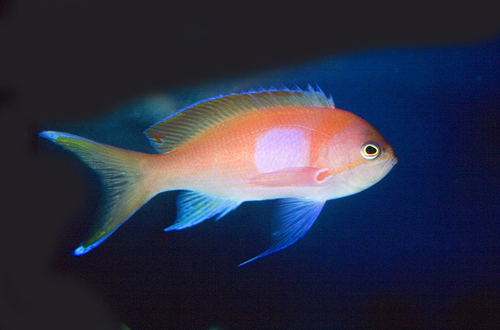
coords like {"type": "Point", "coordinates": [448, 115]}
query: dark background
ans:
{"type": "Point", "coordinates": [418, 250]}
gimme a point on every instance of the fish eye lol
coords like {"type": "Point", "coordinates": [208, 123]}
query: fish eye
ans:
{"type": "Point", "coordinates": [370, 151]}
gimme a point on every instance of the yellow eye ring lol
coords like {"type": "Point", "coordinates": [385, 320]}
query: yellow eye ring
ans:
{"type": "Point", "coordinates": [370, 151]}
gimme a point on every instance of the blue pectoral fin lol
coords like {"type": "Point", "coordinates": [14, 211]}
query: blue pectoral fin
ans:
{"type": "Point", "coordinates": [292, 219]}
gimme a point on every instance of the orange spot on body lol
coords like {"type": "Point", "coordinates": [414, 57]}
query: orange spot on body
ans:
{"type": "Point", "coordinates": [323, 175]}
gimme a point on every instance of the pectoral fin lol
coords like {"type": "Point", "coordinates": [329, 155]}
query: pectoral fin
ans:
{"type": "Point", "coordinates": [292, 219]}
{"type": "Point", "coordinates": [292, 176]}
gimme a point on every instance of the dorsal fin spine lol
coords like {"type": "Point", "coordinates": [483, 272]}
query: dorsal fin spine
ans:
{"type": "Point", "coordinates": [168, 134]}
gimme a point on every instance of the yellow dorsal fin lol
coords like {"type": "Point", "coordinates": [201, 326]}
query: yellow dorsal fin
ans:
{"type": "Point", "coordinates": [187, 123]}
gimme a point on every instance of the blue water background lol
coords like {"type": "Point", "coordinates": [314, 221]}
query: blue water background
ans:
{"type": "Point", "coordinates": [421, 247]}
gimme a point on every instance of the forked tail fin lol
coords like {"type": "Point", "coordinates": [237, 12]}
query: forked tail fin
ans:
{"type": "Point", "coordinates": [124, 191]}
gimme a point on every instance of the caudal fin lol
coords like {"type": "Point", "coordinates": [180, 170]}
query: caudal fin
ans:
{"type": "Point", "coordinates": [124, 191]}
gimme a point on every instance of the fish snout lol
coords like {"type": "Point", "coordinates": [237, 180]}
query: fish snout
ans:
{"type": "Point", "coordinates": [394, 161]}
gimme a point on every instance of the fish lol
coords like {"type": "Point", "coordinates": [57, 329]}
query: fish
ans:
{"type": "Point", "coordinates": [290, 145]}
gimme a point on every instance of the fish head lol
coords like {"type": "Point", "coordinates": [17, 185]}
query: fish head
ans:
{"type": "Point", "coordinates": [358, 156]}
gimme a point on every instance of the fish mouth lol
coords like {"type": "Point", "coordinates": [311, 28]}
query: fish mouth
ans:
{"type": "Point", "coordinates": [390, 163]}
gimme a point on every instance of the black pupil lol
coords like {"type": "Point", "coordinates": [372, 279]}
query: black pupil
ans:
{"type": "Point", "coordinates": [370, 150]}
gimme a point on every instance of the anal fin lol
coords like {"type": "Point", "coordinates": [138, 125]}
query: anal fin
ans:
{"type": "Point", "coordinates": [194, 207]}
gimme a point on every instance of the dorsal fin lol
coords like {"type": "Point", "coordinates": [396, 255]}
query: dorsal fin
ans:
{"type": "Point", "coordinates": [187, 123]}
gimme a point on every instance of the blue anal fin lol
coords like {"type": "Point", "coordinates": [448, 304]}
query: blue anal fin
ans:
{"type": "Point", "coordinates": [291, 220]}
{"type": "Point", "coordinates": [194, 207]}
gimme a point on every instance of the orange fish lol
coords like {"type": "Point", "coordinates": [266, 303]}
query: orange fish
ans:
{"type": "Point", "coordinates": [291, 145]}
